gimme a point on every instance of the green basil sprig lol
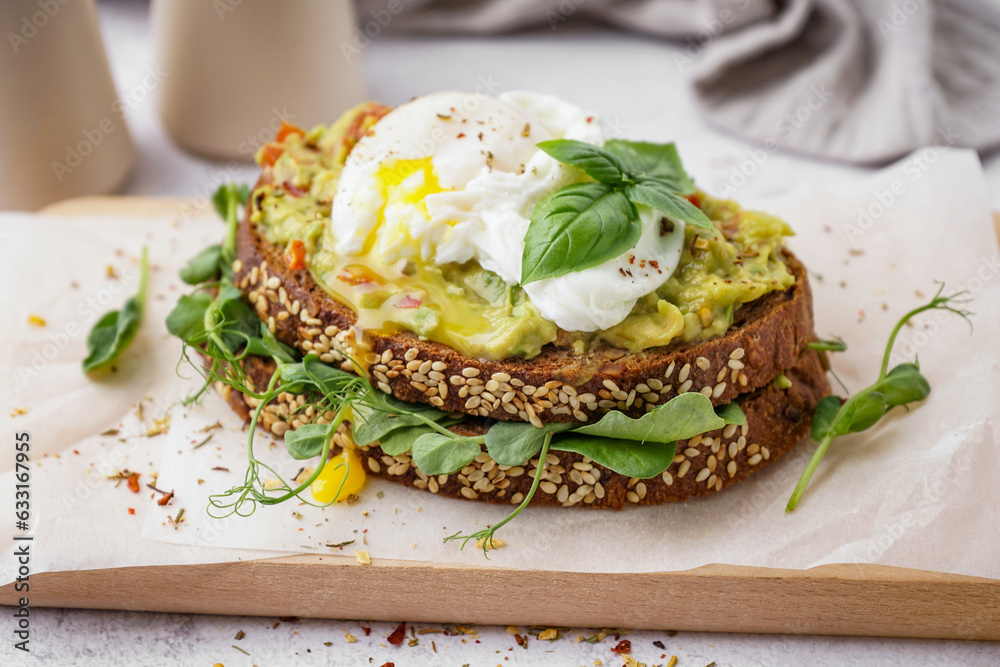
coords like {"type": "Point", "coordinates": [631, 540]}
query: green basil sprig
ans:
{"type": "Point", "coordinates": [116, 330]}
{"type": "Point", "coordinates": [899, 387]}
{"type": "Point", "coordinates": [586, 224]}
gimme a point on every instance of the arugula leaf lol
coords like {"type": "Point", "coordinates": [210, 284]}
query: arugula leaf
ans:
{"type": "Point", "coordinates": [656, 161]}
{"type": "Point", "coordinates": [580, 226]}
{"type": "Point", "coordinates": [658, 195]}
{"type": "Point", "coordinates": [515, 443]}
{"type": "Point", "coordinates": [438, 454]}
{"type": "Point", "coordinates": [596, 162]}
{"type": "Point", "coordinates": [116, 330]}
{"type": "Point", "coordinates": [187, 319]}
{"type": "Point", "coordinates": [900, 386]}
{"type": "Point", "coordinates": [627, 457]}
{"type": "Point", "coordinates": [680, 418]}
{"type": "Point", "coordinates": [307, 441]}
{"type": "Point", "coordinates": [202, 267]}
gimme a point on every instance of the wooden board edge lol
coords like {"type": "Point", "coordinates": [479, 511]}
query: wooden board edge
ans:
{"type": "Point", "coordinates": [843, 599]}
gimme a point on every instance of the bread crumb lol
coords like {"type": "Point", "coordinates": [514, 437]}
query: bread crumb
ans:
{"type": "Point", "coordinates": [487, 544]}
{"type": "Point", "coordinates": [549, 635]}
{"type": "Point", "coordinates": [362, 557]}
{"type": "Point", "coordinates": [511, 630]}
{"type": "Point", "coordinates": [350, 638]}
{"type": "Point", "coordinates": [17, 412]}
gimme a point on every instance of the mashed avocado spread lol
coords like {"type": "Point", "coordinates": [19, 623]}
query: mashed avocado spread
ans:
{"type": "Point", "coordinates": [474, 310]}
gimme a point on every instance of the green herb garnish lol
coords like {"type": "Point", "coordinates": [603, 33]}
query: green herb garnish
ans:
{"type": "Point", "coordinates": [116, 330]}
{"type": "Point", "coordinates": [904, 384]}
{"type": "Point", "coordinates": [586, 224]}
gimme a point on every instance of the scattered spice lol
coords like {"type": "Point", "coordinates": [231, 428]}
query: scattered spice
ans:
{"type": "Point", "coordinates": [624, 646]}
{"type": "Point", "coordinates": [211, 426]}
{"type": "Point", "coordinates": [131, 510]}
{"type": "Point", "coordinates": [133, 482]}
{"type": "Point", "coordinates": [17, 412]}
{"type": "Point", "coordinates": [175, 521]}
{"type": "Point", "coordinates": [363, 557]}
{"type": "Point", "coordinates": [397, 636]}
{"type": "Point", "coordinates": [240, 635]}
{"type": "Point", "coordinates": [159, 427]}
{"type": "Point", "coordinates": [110, 432]}
{"type": "Point", "coordinates": [549, 635]}
{"type": "Point", "coordinates": [239, 649]}
{"type": "Point", "coordinates": [339, 545]}
{"type": "Point", "coordinates": [37, 321]}
{"type": "Point", "coordinates": [204, 442]}
{"type": "Point", "coordinates": [350, 638]}
{"type": "Point", "coordinates": [162, 502]}
{"type": "Point", "coordinates": [366, 629]}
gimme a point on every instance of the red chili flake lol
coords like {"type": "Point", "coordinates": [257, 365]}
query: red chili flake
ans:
{"type": "Point", "coordinates": [389, 664]}
{"type": "Point", "coordinates": [131, 510]}
{"type": "Point", "coordinates": [366, 629]}
{"type": "Point", "coordinates": [631, 259]}
{"type": "Point", "coordinates": [624, 646]}
{"type": "Point", "coordinates": [408, 302]}
{"type": "Point", "coordinates": [398, 635]}
{"type": "Point", "coordinates": [76, 451]}
{"type": "Point", "coordinates": [653, 263]}
{"type": "Point", "coordinates": [694, 199]}
{"type": "Point", "coordinates": [133, 483]}
{"type": "Point", "coordinates": [165, 499]}
{"type": "Point", "coordinates": [460, 135]}
{"type": "Point", "coordinates": [590, 119]}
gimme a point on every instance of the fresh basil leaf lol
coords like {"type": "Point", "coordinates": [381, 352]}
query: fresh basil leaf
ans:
{"type": "Point", "coordinates": [680, 418]}
{"type": "Point", "coordinates": [515, 443]}
{"type": "Point", "coordinates": [731, 413]}
{"type": "Point", "coordinates": [656, 161]}
{"type": "Point", "coordinates": [824, 416]}
{"type": "Point", "coordinates": [593, 160]}
{"type": "Point", "coordinates": [202, 267]}
{"type": "Point", "coordinates": [657, 194]}
{"type": "Point", "coordinates": [116, 330]}
{"type": "Point", "coordinates": [904, 384]}
{"type": "Point", "coordinates": [439, 454]}
{"type": "Point", "coordinates": [626, 457]}
{"type": "Point", "coordinates": [865, 412]}
{"type": "Point", "coordinates": [307, 441]}
{"type": "Point", "coordinates": [187, 319]}
{"type": "Point", "coordinates": [833, 345]}
{"type": "Point", "coordinates": [579, 226]}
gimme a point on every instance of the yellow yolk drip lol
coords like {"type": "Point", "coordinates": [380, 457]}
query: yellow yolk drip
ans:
{"type": "Point", "coordinates": [341, 477]}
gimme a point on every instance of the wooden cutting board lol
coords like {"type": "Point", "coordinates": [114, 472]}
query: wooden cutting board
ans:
{"type": "Point", "coordinates": [870, 600]}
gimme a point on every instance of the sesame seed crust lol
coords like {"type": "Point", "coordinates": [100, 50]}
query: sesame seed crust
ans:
{"type": "Point", "coordinates": [767, 337]}
{"type": "Point", "coordinates": [777, 420]}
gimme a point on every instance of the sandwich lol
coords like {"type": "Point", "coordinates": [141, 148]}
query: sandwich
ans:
{"type": "Point", "coordinates": [488, 299]}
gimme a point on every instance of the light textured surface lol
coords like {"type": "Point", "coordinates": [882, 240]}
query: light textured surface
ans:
{"type": "Point", "coordinates": [656, 107]}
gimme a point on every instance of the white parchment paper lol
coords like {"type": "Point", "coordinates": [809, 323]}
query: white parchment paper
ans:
{"type": "Point", "coordinates": [919, 490]}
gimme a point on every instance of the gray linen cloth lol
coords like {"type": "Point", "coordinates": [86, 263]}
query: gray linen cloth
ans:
{"type": "Point", "coordinates": [861, 81]}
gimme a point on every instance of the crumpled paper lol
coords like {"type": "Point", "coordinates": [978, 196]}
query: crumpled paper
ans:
{"type": "Point", "coordinates": [918, 490]}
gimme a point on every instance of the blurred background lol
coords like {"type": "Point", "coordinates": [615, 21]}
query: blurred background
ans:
{"type": "Point", "coordinates": [174, 98]}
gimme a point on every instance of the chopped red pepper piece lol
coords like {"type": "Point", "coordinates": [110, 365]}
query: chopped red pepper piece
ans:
{"type": "Point", "coordinates": [131, 510]}
{"type": "Point", "coordinates": [165, 499]}
{"type": "Point", "coordinates": [624, 646]}
{"type": "Point", "coordinates": [286, 130]}
{"type": "Point", "coordinates": [398, 635]}
{"type": "Point", "coordinates": [694, 199]}
{"type": "Point", "coordinates": [270, 154]}
{"type": "Point", "coordinates": [408, 302]}
{"type": "Point", "coordinates": [133, 483]}
{"type": "Point", "coordinates": [296, 255]}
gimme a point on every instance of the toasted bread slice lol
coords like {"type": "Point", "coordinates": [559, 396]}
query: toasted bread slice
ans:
{"type": "Point", "coordinates": [776, 420]}
{"type": "Point", "coordinates": [766, 338]}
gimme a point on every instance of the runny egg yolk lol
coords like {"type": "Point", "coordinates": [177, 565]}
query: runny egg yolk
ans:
{"type": "Point", "coordinates": [404, 185]}
{"type": "Point", "coordinates": [341, 477]}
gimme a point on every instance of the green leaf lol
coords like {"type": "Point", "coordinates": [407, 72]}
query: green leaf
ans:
{"type": "Point", "coordinates": [864, 412]}
{"type": "Point", "coordinates": [680, 418]}
{"type": "Point", "coordinates": [390, 414]}
{"type": "Point", "coordinates": [515, 443]}
{"type": "Point", "coordinates": [657, 194]}
{"type": "Point", "coordinates": [579, 226]}
{"type": "Point", "coordinates": [400, 440]}
{"type": "Point", "coordinates": [731, 413]}
{"type": "Point", "coordinates": [593, 160]}
{"type": "Point", "coordinates": [229, 192]}
{"type": "Point", "coordinates": [439, 454]}
{"type": "Point", "coordinates": [824, 415]}
{"type": "Point", "coordinates": [116, 330]}
{"type": "Point", "coordinates": [904, 384]}
{"type": "Point", "coordinates": [275, 348]}
{"type": "Point", "coordinates": [202, 267]}
{"type": "Point", "coordinates": [656, 161]}
{"type": "Point", "coordinates": [627, 457]}
{"type": "Point", "coordinates": [187, 319]}
{"type": "Point", "coordinates": [307, 441]}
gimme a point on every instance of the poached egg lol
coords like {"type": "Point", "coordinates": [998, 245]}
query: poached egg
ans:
{"type": "Point", "coordinates": [454, 177]}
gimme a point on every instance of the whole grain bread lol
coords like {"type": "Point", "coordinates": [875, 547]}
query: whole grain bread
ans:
{"type": "Point", "coordinates": [766, 338]}
{"type": "Point", "coordinates": [776, 420]}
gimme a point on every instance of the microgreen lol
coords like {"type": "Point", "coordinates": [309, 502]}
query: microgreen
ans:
{"type": "Point", "coordinates": [586, 224]}
{"type": "Point", "coordinates": [899, 387]}
{"type": "Point", "coordinates": [116, 330]}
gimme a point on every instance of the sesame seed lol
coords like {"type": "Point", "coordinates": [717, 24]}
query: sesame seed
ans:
{"type": "Point", "coordinates": [563, 493]}
{"type": "Point", "coordinates": [731, 469]}
{"type": "Point", "coordinates": [737, 353]}
{"type": "Point", "coordinates": [712, 462]}
{"type": "Point", "coordinates": [753, 449]}
{"type": "Point", "coordinates": [632, 497]}
{"type": "Point", "coordinates": [668, 479]}
{"type": "Point", "coordinates": [374, 465]}
{"type": "Point", "coordinates": [711, 481]}
{"type": "Point", "coordinates": [669, 371]}
{"type": "Point", "coordinates": [470, 372]}
{"type": "Point", "coordinates": [516, 498]}
{"type": "Point", "coordinates": [580, 415]}
{"type": "Point", "coordinates": [425, 367]}
{"type": "Point", "coordinates": [733, 449]}
{"type": "Point", "coordinates": [456, 380]}
{"type": "Point", "coordinates": [492, 385]}
{"type": "Point", "coordinates": [766, 452]}
{"type": "Point", "coordinates": [741, 442]}
{"type": "Point", "coordinates": [719, 388]}
{"type": "Point", "coordinates": [411, 354]}
{"type": "Point", "coordinates": [703, 475]}
{"type": "Point", "coordinates": [548, 487]}
{"type": "Point", "coordinates": [703, 363]}
{"type": "Point", "coordinates": [640, 490]}
{"type": "Point", "coordinates": [599, 490]}
{"type": "Point", "coordinates": [611, 386]}
{"type": "Point", "coordinates": [469, 493]}
{"type": "Point", "coordinates": [729, 430]}
{"type": "Point", "coordinates": [385, 387]}
{"type": "Point", "coordinates": [436, 401]}
{"type": "Point", "coordinates": [755, 459]}
{"type": "Point", "coordinates": [707, 390]}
